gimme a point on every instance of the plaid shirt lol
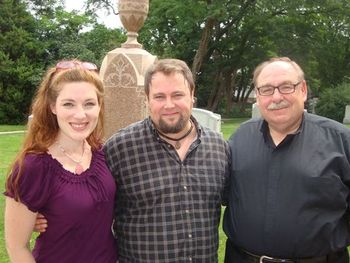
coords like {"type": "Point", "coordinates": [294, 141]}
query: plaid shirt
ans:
{"type": "Point", "coordinates": [167, 210]}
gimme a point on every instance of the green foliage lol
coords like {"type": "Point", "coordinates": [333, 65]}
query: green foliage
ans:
{"type": "Point", "coordinates": [169, 31]}
{"type": "Point", "coordinates": [100, 40]}
{"type": "Point", "coordinates": [243, 34]}
{"type": "Point", "coordinates": [34, 35]}
{"type": "Point", "coordinates": [20, 55]}
{"type": "Point", "coordinates": [221, 40]}
{"type": "Point", "coordinates": [332, 102]}
{"type": "Point", "coordinates": [239, 110]}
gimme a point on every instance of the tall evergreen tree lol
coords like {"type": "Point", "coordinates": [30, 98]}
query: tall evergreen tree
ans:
{"type": "Point", "coordinates": [20, 56]}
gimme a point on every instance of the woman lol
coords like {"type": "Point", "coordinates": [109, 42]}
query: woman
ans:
{"type": "Point", "coordinates": [61, 173]}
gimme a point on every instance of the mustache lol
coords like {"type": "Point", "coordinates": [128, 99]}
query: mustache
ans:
{"type": "Point", "coordinates": [277, 106]}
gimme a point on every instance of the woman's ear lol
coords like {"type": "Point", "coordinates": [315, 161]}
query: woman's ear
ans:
{"type": "Point", "coordinates": [53, 108]}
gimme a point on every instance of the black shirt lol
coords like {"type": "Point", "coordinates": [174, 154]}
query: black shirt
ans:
{"type": "Point", "coordinates": [292, 200]}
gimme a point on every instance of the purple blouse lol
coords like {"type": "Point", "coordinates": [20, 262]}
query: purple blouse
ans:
{"type": "Point", "coordinates": [79, 209]}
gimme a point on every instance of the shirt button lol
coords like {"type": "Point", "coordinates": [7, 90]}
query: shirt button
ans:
{"type": "Point", "coordinates": [187, 211]}
{"type": "Point", "coordinates": [190, 259]}
{"type": "Point", "coordinates": [185, 187]}
{"type": "Point", "coordinates": [189, 235]}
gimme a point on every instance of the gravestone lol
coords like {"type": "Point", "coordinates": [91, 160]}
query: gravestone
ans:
{"type": "Point", "coordinates": [255, 111]}
{"type": "Point", "coordinates": [346, 119]}
{"type": "Point", "coordinates": [208, 119]}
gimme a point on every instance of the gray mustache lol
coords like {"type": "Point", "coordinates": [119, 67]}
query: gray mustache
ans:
{"type": "Point", "coordinates": [277, 106]}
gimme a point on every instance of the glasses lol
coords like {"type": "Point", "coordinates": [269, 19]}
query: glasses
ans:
{"type": "Point", "coordinates": [269, 90]}
{"type": "Point", "coordinates": [69, 64]}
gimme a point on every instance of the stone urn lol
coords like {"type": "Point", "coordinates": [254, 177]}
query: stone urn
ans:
{"type": "Point", "coordinates": [133, 14]}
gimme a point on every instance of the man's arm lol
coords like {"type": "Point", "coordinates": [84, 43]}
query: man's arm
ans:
{"type": "Point", "coordinates": [40, 223]}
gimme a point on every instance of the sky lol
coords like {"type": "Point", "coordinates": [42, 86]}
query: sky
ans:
{"type": "Point", "coordinates": [110, 21]}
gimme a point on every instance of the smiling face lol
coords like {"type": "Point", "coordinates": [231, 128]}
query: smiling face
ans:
{"type": "Point", "coordinates": [283, 112]}
{"type": "Point", "coordinates": [77, 110]}
{"type": "Point", "coordinates": [170, 102]}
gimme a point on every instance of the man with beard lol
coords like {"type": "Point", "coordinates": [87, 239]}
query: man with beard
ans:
{"type": "Point", "coordinates": [170, 173]}
{"type": "Point", "coordinates": [289, 196]}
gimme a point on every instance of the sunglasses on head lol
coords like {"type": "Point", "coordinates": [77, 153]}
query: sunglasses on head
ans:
{"type": "Point", "coordinates": [69, 64]}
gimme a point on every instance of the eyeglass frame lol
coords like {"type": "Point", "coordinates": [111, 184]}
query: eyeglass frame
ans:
{"type": "Point", "coordinates": [278, 87]}
{"type": "Point", "coordinates": [70, 64]}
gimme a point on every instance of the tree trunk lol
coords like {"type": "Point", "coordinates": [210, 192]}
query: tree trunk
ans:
{"type": "Point", "coordinates": [214, 93]}
{"type": "Point", "coordinates": [203, 46]}
{"type": "Point", "coordinates": [229, 90]}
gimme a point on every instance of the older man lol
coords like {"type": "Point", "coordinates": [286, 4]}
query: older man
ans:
{"type": "Point", "coordinates": [170, 173]}
{"type": "Point", "coordinates": [289, 196]}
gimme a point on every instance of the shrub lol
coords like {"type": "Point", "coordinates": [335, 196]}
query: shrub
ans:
{"type": "Point", "coordinates": [332, 102]}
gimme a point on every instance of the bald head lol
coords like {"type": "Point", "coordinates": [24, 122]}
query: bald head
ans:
{"type": "Point", "coordinates": [278, 61]}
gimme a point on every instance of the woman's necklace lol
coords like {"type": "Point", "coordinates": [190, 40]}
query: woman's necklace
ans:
{"type": "Point", "coordinates": [177, 140]}
{"type": "Point", "coordinates": [78, 167]}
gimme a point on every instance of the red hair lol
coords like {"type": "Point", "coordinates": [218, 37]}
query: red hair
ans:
{"type": "Point", "coordinates": [42, 129]}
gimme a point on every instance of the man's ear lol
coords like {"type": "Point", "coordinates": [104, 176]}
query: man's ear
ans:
{"type": "Point", "coordinates": [256, 96]}
{"type": "Point", "coordinates": [304, 89]}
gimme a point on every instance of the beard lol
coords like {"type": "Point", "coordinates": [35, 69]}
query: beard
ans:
{"type": "Point", "coordinates": [179, 126]}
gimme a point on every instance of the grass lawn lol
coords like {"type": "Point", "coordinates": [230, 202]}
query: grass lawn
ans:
{"type": "Point", "coordinates": [9, 145]}
{"type": "Point", "coordinates": [5, 128]}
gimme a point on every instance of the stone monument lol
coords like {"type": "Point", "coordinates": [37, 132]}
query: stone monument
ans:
{"type": "Point", "coordinates": [255, 111]}
{"type": "Point", "coordinates": [123, 71]}
{"type": "Point", "coordinates": [208, 119]}
{"type": "Point", "coordinates": [346, 119]}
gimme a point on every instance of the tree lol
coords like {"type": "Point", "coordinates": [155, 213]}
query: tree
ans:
{"type": "Point", "coordinates": [20, 55]}
{"type": "Point", "coordinates": [93, 5]}
{"type": "Point", "coordinates": [35, 35]}
{"type": "Point", "coordinates": [101, 40]}
{"type": "Point", "coordinates": [332, 103]}
{"type": "Point", "coordinates": [224, 40]}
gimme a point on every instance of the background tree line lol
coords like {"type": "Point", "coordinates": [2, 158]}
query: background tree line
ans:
{"type": "Point", "coordinates": [33, 36]}
{"type": "Point", "coordinates": [222, 41]}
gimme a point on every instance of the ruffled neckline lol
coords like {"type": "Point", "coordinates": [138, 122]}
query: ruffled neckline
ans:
{"type": "Point", "coordinates": [68, 175]}
{"type": "Point", "coordinates": [91, 177]}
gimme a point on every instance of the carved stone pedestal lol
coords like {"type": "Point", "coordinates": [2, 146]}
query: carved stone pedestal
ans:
{"type": "Point", "coordinates": [123, 72]}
